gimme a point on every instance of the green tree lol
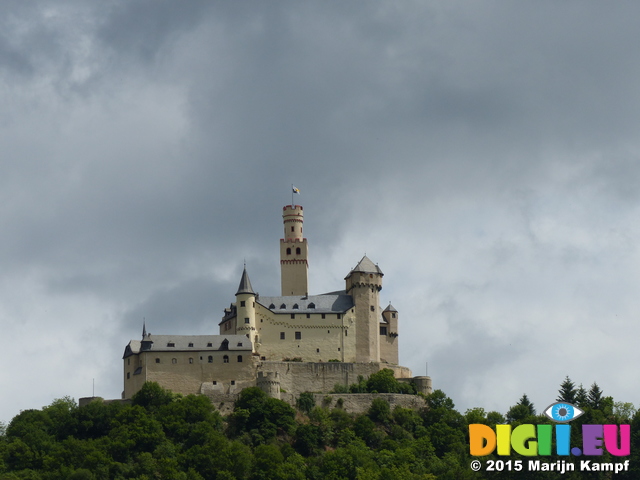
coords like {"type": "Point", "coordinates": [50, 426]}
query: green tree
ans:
{"type": "Point", "coordinates": [594, 398]}
{"type": "Point", "coordinates": [254, 411]}
{"type": "Point", "coordinates": [305, 402]}
{"type": "Point", "coordinates": [380, 411]}
{"type": "Point", "coordinates": [567, 392]}
{"type": "Point", "coordinates": [152, 396]}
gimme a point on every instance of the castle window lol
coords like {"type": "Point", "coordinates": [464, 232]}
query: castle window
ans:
{"type": "Point", "coordinates": [225, 359]}
{"type": "Point", "coordinates": [233, 382]}
{"type": "Point", "coordinates": [338, 316]}
{"type": "Point", "coordinates": [288, 251]}
{"type": "Point", "coordinates": [239, 358]}
{"type": "Point", "coordinates": [171, 344]}
{"type": "Point", "coordinates": [292, 229]}
{"type": "Point", "coordinates": [263, 358]}
{"type": "Point", "coordinates": [311, 305]}
{"type": "Point", "coordinates": [338, 348]}
{"type": "Point", "coordinates": [157, 360]}
{"type": "Point", "coordinates": [240, 343]}
{"type": "Point", "coordinates": [317, 350]}
{"type": "Point", "coordinates": [210, 359]}
{"type": "Point", "coordinates": [393, 315]}
{"type": "Point", "coordinates": [308, 315]}
{"type": "Point", "coordinates": [323, 316]}
{"type": "Point", "coordinates": [298, 251]}
{"type": "Point", "coordinates": [246, 320]}
{"type": "Point", "coordinates": [298, 335]}
{"type": "Point", "coordinates": [283, 306]}
{"type": "Point", "coordinates": [209, 344]}
{"type": "Point", "coordinates": [346, 333]}
{"type": "Point", "coordinates": [295, 306]}
{"type": "Point", "coordinates": [328, 331]}
{"type": "Point", "coordinates": [174, 360]}
{"type": "Point", "coordinates": [383, 330]}
{"type": "Point", "coordinates": [128, 375]}
{"type": "Point", "coordinates": [215, 383]}
{"type": "Point", "coordinates": [191, 360]}
{"type": "Point", "coordinates": [128, 361]}
{"type": "Point", "coordinates": [293, 315]}
{"type": "Point", "coordinates": [191, 344]}
{"type": "Point", "coordinates": [242, 303]}
{"type": "Point", "coordinates": [272, 306]}
{"type": "Point", "coordinates": [373, 309]}
{"type": "Point", "coordinates": [281, 335]}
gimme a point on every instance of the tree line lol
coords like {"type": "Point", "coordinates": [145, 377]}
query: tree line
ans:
{"type": "Point", "coordinates": [161, 435]}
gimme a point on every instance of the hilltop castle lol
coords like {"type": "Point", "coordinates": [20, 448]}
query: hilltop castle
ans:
{"type": "Point", "coordinates": [294, 342]}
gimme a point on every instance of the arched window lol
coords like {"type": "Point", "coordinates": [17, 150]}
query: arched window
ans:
{"type": "Point", "coordinates": [272, 306]}
{"type": "Point", "coordinates": [295, 306]}
{"type": "Point", "coordinates": [225, 359]}
{"type": "Point", "coordinates": [174, 360]}
{"type": "Point", "coordinates": [298, 251]}
{"type": "Point", "coordinates": [239, 358]}
{"type": "Point", "coordinates": [157, 360]}
{"type": "Point", "coordinates": [210, 359]}
{"type": "Point", "coordinates": [288, 251]}
{"type": "Point", "coordinates": [283, 306]}
{"type": "Point", "coordinates": [191, 360]}
{"type": "Point", "coordinates": [311, 305]}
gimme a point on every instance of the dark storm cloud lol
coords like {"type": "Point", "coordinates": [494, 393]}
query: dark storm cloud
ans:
{"type": "Point", "coordinates": [482, 152]}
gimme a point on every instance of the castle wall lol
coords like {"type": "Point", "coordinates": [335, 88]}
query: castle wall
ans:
{"type": "Point", "coordinates": [321, 339]}
{"type": "Point", "coordinates": [356, 403]}
{"type": "Point", "coordinates": [186, 372]}
{"type": "Point", "coordinates": [298, 377]}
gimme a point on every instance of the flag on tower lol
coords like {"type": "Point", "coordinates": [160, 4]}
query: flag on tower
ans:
{"type": "Point", "coordinates": [295, 189]}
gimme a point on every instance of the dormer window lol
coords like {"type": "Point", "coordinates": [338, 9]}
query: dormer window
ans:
{"type": "Point", "coordinates": [239, 344]}
{"type": "Point", "coordinates": [171, 344]}
{"type": "Point", "coordinates": [295, 306]}
{"type": "Point", "coordinates": [191, 344]}
{"type": "Point", "coordinates": [311, 305]}
{"type": "Point", "coordinates": [272, 306]}
{"type": "Point", "coordinates": [209, 344]}
{"type": "Point", "coordinates": [283, 306]}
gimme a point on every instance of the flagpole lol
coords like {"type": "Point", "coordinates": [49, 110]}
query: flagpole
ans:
{"type": "Point", "coordinates": [292, 195]}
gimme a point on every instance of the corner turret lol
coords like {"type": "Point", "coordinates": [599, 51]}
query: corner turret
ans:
{"type": "Point", "coordinates": [246, 309]}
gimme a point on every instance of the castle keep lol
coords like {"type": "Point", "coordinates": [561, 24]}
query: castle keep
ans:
{"type": "Point", "coordinates": [294, 342]}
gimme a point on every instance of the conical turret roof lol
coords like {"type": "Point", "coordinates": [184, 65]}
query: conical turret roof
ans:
{"type": "Point", "coordinates": [245, 284]}
{"type": "Point", "coordinates": [390, 308]}
{"type": "Point", "coordinates": [366, 266]}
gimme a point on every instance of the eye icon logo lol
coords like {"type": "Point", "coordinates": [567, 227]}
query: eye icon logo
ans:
{"type": "Point", "coordinates": [563, 412]}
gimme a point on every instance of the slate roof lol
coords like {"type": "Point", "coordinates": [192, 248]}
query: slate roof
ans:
{"type": "Point", "coordinates": [245, 284]}
{"type": "Point", "coordinates": [160, 343]}
{"type": "Point", "coordinates": [390, 308]}
{"type": "Point", "coordinates": [337, 302]}
{"type": "Point", "coordinates": [366, 266]}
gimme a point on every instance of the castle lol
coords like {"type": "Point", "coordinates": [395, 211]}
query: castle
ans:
{"type": "Point", "coordinates": [291, 343]}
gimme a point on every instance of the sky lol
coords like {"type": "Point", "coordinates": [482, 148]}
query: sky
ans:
{"type": "Point", "coordinates": [485, 154]}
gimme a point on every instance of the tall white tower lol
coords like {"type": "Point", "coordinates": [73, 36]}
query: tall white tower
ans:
{"type": "Point", "coordinates": [294, 253]}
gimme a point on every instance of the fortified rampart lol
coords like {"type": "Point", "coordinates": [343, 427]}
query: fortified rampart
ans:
{"type": "Point", "coordinates": [298, 377]}
{"type": "Point", "coordinates": [349, 402]}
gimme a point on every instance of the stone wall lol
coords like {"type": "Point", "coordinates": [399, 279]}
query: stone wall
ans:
{"type": "Point", "coordinates": [349, 402]}
{"type": "Point", "coordinates": [298, 377]}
